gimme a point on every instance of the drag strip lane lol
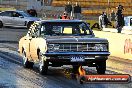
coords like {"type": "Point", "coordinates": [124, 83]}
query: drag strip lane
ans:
{"type": "Point", "coordinates": [55, 79]}
{"type": "Point", "coordinates": [13, 75]}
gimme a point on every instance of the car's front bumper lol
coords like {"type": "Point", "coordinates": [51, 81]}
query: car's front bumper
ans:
{"type": "Point", "coordinates": [77, 53]}
{"type": "Point", "coordinates": [90, 58]}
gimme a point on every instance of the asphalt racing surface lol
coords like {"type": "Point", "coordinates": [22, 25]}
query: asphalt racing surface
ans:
{"type": "Point", "coordinates": [13, 75]}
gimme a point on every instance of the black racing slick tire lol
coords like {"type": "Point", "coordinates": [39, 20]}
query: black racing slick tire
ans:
{"type": "Point", "coordinates": [1, 24]}
{"type": "Point", "coordinates": [75, 69]}
{"type": "Point", "coordinates": [43, 65]}
{"type": "Point", "coordinates": [101, 67]}
{"type": "Point", "coordinates": [26, 63]}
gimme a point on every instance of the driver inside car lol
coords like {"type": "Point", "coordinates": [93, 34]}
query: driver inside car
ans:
{"type": "Point", "coordinates": [76, 30]}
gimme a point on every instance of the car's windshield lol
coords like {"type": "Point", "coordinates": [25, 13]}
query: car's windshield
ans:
{"type": "Point", "coordinates": [25, 14]}
{"type": "Point", "coordinates": [65, 28]}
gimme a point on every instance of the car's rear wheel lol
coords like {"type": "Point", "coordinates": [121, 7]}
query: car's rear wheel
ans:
{"type": "Point", "coordinates": [26, 63]}
{"type": "Point", "coordinates": [1, 24]}
{"type": "Point", "coordinates": [43, 65]}
{"type": "Point", "coordinates": [101, 67]}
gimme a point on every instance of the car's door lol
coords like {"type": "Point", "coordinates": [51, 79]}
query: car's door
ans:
{"type": "Point", "coordinates": [18, 19]}
{"type": "Point", "coordinates": [6, 18]}
{"type": "Point", "coordinates": [26, 46]}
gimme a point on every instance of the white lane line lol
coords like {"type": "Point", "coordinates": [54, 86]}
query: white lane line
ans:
{"type": "Point", "coordinates": [108, 71]}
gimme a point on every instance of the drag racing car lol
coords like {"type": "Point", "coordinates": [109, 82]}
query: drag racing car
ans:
{"type": "Point", "coordinates": [63, 42]}
{"type": "Point", "coordinates": [16, 18]}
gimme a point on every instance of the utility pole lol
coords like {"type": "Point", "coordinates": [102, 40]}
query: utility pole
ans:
{"type": "Point", "coordinates": [17, 4]}
{"type": "Point", "coordinates": [72, 12]}
{"type": "Point", "coordinates": [108, 8]}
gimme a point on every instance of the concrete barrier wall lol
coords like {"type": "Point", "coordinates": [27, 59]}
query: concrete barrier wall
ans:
{"type": "Point", "coordinates": [120, 45]}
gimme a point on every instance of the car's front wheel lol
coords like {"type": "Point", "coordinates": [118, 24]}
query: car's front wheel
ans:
{"type": "Point", "coordinates": [101, 67]}
{"type": "Point", "coordinates": [26, 63]}
{"type": "Point", "coordinates": [43, 65]}
{"type": "Point", "coordinates": [1, 24]}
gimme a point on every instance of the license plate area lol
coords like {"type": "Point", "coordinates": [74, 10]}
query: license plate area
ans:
{"type": "Point", "coordinates": [77, 58]}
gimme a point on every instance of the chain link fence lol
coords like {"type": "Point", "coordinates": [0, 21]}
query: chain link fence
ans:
{"type": "Point", "coordinates": [17, 4]}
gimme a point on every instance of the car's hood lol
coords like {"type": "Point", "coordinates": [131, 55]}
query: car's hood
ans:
{"type": "Point", "coordinates": [74, 39]}
{"type": "Point", "coordinates": [32, 18]}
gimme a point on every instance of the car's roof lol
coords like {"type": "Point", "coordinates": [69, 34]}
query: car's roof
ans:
{"type": "Point", "coordinates": [60, 20]}
{"type": "Point", "coordinates": [13, 10]}
{"type": "Point", "coordinates": [19, 11]}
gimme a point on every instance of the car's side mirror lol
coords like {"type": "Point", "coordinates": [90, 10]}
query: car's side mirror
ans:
{"type": "Point", "coordinates": [21, 16]}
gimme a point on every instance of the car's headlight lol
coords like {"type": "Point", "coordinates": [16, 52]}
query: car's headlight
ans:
{"type": "Point", "coordinates": [53, 47]}
{"type": "Point", "coordinates": [101, 47]}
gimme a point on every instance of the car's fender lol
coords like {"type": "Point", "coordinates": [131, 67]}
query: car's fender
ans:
{"type": "Point", "coordinates": [37, 44]}
{"type": "Point", "coordinates": [1, 18]}
{"type": "Point", "coordinates": [42, 46]}
{"type": "Point", "coordinates": [21, 45]}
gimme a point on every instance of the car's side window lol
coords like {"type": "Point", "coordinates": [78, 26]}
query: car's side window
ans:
{"type": "Point", "coordinates": [5, 14]}
{"type": "Point", "coordinates": [15, 14]}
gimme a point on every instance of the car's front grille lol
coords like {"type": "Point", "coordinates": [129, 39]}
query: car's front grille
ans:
{"type": "Point", "coordinates": [76, 47]}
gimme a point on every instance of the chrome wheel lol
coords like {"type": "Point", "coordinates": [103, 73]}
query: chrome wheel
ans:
{"type": "Point", "coordinates": [26, 63]}
{"type": "Point", "coordinates": [43, 65]}
{"type": "Point", "coordinates": [24, 58]}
